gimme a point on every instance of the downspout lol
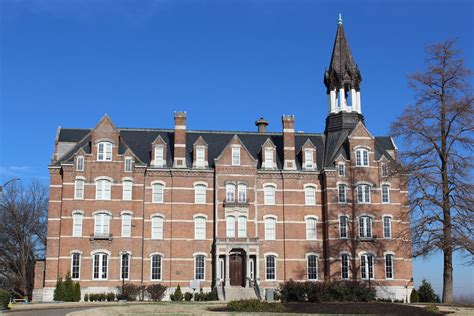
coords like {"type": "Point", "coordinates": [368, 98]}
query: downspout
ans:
{"type": "Point", "coordinates": [143, 223]}
{"type": "Point", "coordinates": [284, 227]}
{"type": "Point", "coordinates": [353, 226]}
{"type": "Point", "coordinates": [171, 223]}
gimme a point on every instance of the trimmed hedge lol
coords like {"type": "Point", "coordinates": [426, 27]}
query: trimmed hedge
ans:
{"type": "Point", "coordinates": [209, 296]}
{"type": "Point", "coordinates": [255, 306]}
{"type": "Point", "coordinates": [156, 291]}
{"type": "Point", "coordinates": [4, 299]}
{"type": "Point", "coordinates": [314, 292]}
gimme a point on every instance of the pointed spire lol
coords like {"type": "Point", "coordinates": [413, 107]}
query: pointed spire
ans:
{"type": "Point", "coordinates": [339, 21]}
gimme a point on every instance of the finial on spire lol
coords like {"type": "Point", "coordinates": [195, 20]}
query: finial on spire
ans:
{"type": "Point", "coordinates": [339, 21]}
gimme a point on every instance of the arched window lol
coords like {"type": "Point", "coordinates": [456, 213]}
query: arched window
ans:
{"type": "Point", "coordinates": [100, 266]}
{"type": "Point", "coordinates": [230, 192]}
{"type": "Point", "coordinates": [389, 266]}
{"type": "Point", "coordinates": [343, 226]}
{"type": "Point", "coordinates": [79, 189]}
{"type": "Point", "coordinates": [75, 265]}
{"type": "Point", "coordinates": [341, 192]}
{"type": "Point", "coordinates": [385, 193]}
{"type": "Point", "coordinates": [270, 228]}
{"type": "Point", "coordinates": [126, 225]}
{"type": "Point", "coordinates": [387, 227]}
{"type": "Point", "coordinates": [104, 151]}
{"type": "Point", "coordinates": [200, 227]}
{"type": "Point", "coordinates": [341, 169]}
{"type": "Point", "coordinates": [242, 193]}
{"type": "Point", "coordinates": [312, 267]}
{"type": "Point", "coordinates": [128, 164]}
{"type": "Point", "coordinates": [158, 193]}
{"type": "Point", "coordinates": [242, 226]}
{"type": "Point", "coordinates": [362, 157]}
{"type": "Point", "coordinates": [367, 266]}
{"type": "Point", "coordinates": [365, 227]}
{"type": "Point", "coordinates": [124, 266]}
{"type": "Point", "coordinates": [345, 266]}
{"type": "Point", "coordinates": [200, 194]}
{"type": "Point", "coordinates": [270, 267]}
{"type": "Point", "coordinates": [311, 229]}
{"type": "Point", "coordinates": [363, 193]}
{"type": "Point", "coordinates": [101, 225]}
{"type": "Point", "coordinates": [77, 218]}
{"type": "Point", "coordinates": [157, 227]}
{"type": "Point", "coordinates": [310, 195]}
{"type": "Point", "coordinates": [199, 267]}
{"type": "Point", "coordinates": [269, 195]}
{"type": "Point", "coordinates": [80, 163]}
{"type": "Point", "coordinates": [127, 186]}
{"type": "Point", "coordinates": [230, 226]}
{"type": "Point", "coordinates": [156, 265]}
{"type": "Point", "coordinates": [103, 189]}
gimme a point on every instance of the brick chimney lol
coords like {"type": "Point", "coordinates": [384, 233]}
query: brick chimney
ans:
{"type": "Point", "coordinates": [179, 140]}
{"type": "Point", "coordinates": [289, 142]}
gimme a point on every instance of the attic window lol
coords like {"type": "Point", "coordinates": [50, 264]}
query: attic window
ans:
{"type": "Point", "coordinates": [384, 170]}
{"type": "Point", "coordinates": [308, 159]}
{"type": "Point", "coordinates": [159, 156]}
{"type": "Point", "coordinates": [128, 164]}
{"type": "Point", "coordinates": [104, 151]}
{"type": "Point", "coordinates": [269, 158]}
{"type": "Point", "coordinates": [80, 163]}
{"type": "Point", "coordinates": [235, 156]}
{"type": "Point", "coordinates": [200, 156]}
{"type": "Point", "coordinates": [362, 157]}
{"type": "Point", "coordinates": [341, 169]}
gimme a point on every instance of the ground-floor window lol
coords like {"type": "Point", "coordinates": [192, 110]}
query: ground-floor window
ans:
{"type": "Point", "coordinates": [199, 267]}
{"type": "Point", "coordinates": [312, 266]}
{"type": "Point", "coordinates": [345, 266]}
{"type": "Point", "coordinates": [389, 266]}
{"type": "Point", "coordinates": [124, 266]}
{"type": "Point", "coordinates": [367, 266]}
{"type": "Point", "coordinates": [156, 267]}
{"type": "Point", "coordinates": [270, 267]}
{"type": "Point", "coordinates": [100, 266]}
{"type": "Point", "coordinates": [75, 265]}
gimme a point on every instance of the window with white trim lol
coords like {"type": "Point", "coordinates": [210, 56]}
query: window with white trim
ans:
{"type": "Point", "coordinates": [308, 159]}
{"type": "Point", "coordinates": [100, 266]}
{"type": "Point", "coordinates": [200, 194]}
{"type": "Point", "coordinates": [242, 193]}
{"type": "Point", "coordinates": [343, 226]}
{"type": "Point", "coordinates": [269, 195]}
{"type": "Point", "coordinates": [158, 191]}
{"type": "Point", "coordinates": [127, 189]}
{"type": "Point", "coordinates": [199, 267]}
{"type": "Point", "coordinates": [157, 227]}
{"type": "Point", "coordinates": [104, 151]}
{"type": "Point", "coordinates": [101, 225]}
{"type": "Point", "coordinates": [230, 226]}
{"type": "Point", "coordinates": [269, 158]}
{"type": "Point", "coordinates": [363, 193]}
{"type": "Point", "coordinates": [385, 193]}
{"type": "Point", "coordinates": [80, 163]}
{"type": "Point", "coordinates": [75, 265]}
{"type": "Point", "coordinates": [341, 193]}
{"type": "Point", "coordinates": [235, 156]}
{"type": "Point", "coordinates": [200, 156]}
{"type": "Point", "coordinates": [312, 267]}
{"type": "Point", "coordinates": [128, 164]}
{"type": "Point", "coordinates": [270, 267]}
{"type": "Point", "coordinates": [230, 192]}
{"type": "Point", "coordinates": [345, 266]}
{"type": "Point", "coordinates": [126, 225]}
{"type": "Point", "coordinates": [270, 228]}
{"type": "Point", "coordinates": [341, 169]}
{"type": "Point", "coordinates": [124, 266]}
{"type": "Point", "coordinates": [159, 156]}
{"type": "Point", "coordinates": [311, 229]}
{"type": "Point", "coordinates": [156, 265]}
{"type": "Point", "coordinates": [77, 224]}
{"type": "Point", "coordinates": [389, 266]}
{"type": "Point", "coordinates": [200, 227]}
{"type": "Point", "coordinates": [242, 226]}
{"type": "Point", "coordinates": [362, 157]}
{"type": "Point", "coordinates": [365, 227]}
{"type": "Point", "coordinates": [387, 227]}
{"type": "Point", "coordinates": [310, 195]}
{"type": "Point", "coordinates": [367, 266]}
{"type": "Point", "coordinates": [79, 189]}
{"type": "Point", "coordinates": [103, 188]}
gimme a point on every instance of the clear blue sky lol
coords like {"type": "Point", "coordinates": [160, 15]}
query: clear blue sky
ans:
{"type": "Point", "coordinates": [224, 62]}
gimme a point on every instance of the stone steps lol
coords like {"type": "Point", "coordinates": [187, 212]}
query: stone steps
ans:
{"type": "Point", "coordinates": [235, 293]}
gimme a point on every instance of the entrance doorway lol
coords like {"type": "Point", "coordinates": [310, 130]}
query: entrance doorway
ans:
{"type": "Point", "coordinates": [236, 269]}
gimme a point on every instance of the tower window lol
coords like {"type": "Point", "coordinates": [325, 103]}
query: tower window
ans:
{"type": "Point", "coordinates": [104, 151]}
{"type": "Point", "coordinates": [362, 157]}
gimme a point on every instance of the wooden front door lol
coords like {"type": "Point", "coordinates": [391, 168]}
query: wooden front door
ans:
{"type": "Point", "coordinates": [236, 270]}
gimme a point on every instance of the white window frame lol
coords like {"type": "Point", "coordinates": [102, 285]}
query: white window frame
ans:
{"type": "Point", "coordinates": [345, 266]}
{"type": "Point", "coordinates": [270, 228]}
{"type": "Point", "coordinates": [128, 265]}
{"type": "Point", "coordinates": [274, 272]}
{"type": "Point", "coordinates": [308, 159]}
{"type": "Point", "coordinates": [362, 157]}
{"type": "Point", "coordinates": [310, 195]}
{"type": "Point", "coordinates": [159, 156]}
{"type": "Point", "coordinates": [385, 193]}
{"type": "Point", "coordinates": [159, 268]}
{"type": "Point", "coordinates": [230, 193]}
{"type": "Point", "coordinates": [268, 158]}
{"type": "Point", "coordinates": [103, 189]}
{"type": "Point", "coordinates": [269, 192]}
{"type": "Point", "coordinates": [364, 193]}
{"type": "Point", "coordinates": [230, 226]}
{"type": "Point", "coordinates": [387, 227]}
{"type": "Point", "coordinates": [157, 226]}
{"type": "Point", "coordinates": [127, 190]}
{"type": "Point", "coordinates": [365, 226]}
{"type": "Point", "coordinates": [158, 193]}
{"type": "Point", "coordinates": [308, 274]}
{"type": "Point", "coordinates": [200, 157]}
{"type": "Point", "coordinates": [203, 267]}
{"type": "Point", "coordinates": [77, 223]}
{"type": "Point", "coordinates": [311, 227]}
{"type": "Point", "coordinates": [242, 226]}
{"type": "Point", "coordinates": [128, 164]}
{"type": "Point", "coordinates": [126, 230]}
{"type": "Point", "coordinates": [78, 277]}
{"type": "Point", "coordinates": [342, 193]}
{"type": "Point", "coordinates": [200, 192]}
{"type": "Point", "coordinates": [389, 268]}
{"type": "Point", "coordinates": [367, 262]}
{"type": "Point", "coordinates": [242, 193]}
{"type": "Point", "coordinates": [79, 189]}
{"type": "Point", "coordinates": [199, 227]}
{"type": "Point", "coordinates": [343, 228]}
{"type": "Point", "coordinates": [100, 266]}
{"type": "Point", "coordinates": [235, 156]}
{"type": "Point", "coordinates": [104, 151]}
{"type": "Point", "coordinates": [341, 169]}
{"type": "Point", "coordinates": [80, 163]}
{"type": "Point", "coordinates": [102, 224]}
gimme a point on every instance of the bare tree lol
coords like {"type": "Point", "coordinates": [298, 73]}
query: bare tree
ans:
{"type": "Point", "coordinates": [437, 133]}
{"type": "Point", "coordinates": [23, 224]}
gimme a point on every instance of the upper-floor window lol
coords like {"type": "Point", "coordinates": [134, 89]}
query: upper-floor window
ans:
{"type": "Point", "coordinates": [341, 193]}
{"type": "Point", "coordinates": [308, 159]}
{"type": "Point", "coordinates": [345, 266]}
{"type": "Point", "coordinates": [384, 170]}
{"type": "Point", "coordinates": [127, 187]}
{"type": "Point", "coordinates": [363, 193]}
{"type": "Point", "coordinates": [269, 158]}
{"type": "Point", "coordinates": [100, 266]}
{"type": "Point", "coordinates": [269, 195]}
{"type": "Point", "coordinates": [79, 189]}
{"type": "Point", "coordinates": [341, 169]}
{"type": "Point", "coordinates": [230, 192]}
{"type": "Point", "coordinates": [312, 267]}
{"type": "Point", "coordinates": [385, 193]}
{"type": "Point", "coordinates": [126, 225]}
{"type": "Point", "coordinates": [75, 265]}
{"type": "Point", "coordinates": [343, 226]}
{"type": "Point", "coordinates": [389, 266]}
{"type": "Point", "coordinates": [362, 157]}
{"type": "Point", "coordinates": [230, 226]}
{"type": "Point", "coordinates": [310, 195]}
{"type": "Point", "coordinates": [104, 151]}
{"type": "Point", "coordinates": [103, 189]}
{"type": "Point", "coordinates": [270, 267]}
{"type": "Point", "coordinates": [101, 224]}
{"type": "Point", "coordinates": [157, 227]}
{"type": "Point", "coordinates": [77, 224]}
{"type": "Point", "coordinates": [235, 156]}
{"type": "Point", "coordinates": [387, 227]}
{"type": "Point", "coordinates": [124, 266]}
{"type": "Point", "coordinates": [200, 194]}
{"type": "Point", "coordinates": [242, 193]}
{"type": "Point", "coordinates": [199, 267]}
{"type": "Point", "coordinates": [158, 192]}
{"type": "Point", "coordinates": [270, 228]}
{"type": "Point", "coordinates": [128, 164]}
{"type": "Point", "coordinates": [242, 226]}
{"type": "Point", "coordinates": [80, 163]}
{"type": "Point", "coordinates": [156, 265]}
{"type": "Point", "coordinates": [200, 157]}
{"type": "Point", "coordinates": [367, 266]}
{"type": "Point", "coordinates": [365, 227]}
{"type": "Point", "coordinates": [159, 156]}
{"type": "Point", "coordinates": [311, 228]}
{"type": "Point", "coordinates": [200, 227]}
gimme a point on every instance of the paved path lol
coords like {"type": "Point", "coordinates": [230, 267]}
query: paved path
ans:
{"type": "Point", "coordinates": [44, 312]}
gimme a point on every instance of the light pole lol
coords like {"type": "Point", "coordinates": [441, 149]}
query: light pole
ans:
{"type": "Point", "coordinates": [4, 185]}
{"type": "Point", "coordinates": [123, 255]}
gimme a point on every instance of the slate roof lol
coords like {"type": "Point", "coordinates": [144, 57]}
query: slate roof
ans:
{"type": "Point", "coordinates": [140, 143]}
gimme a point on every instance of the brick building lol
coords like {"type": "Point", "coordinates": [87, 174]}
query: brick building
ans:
{"type": "Point", "coordinates": [240, 211]}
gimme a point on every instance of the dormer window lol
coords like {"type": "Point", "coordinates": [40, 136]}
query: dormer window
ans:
{"type": "Point", "coordinates": [104, 151]}
{"type": "Point", "coordinates": [384, 170]}
{"type": "Point", "coordinates": [80, 163]}
{"type": "Point", "coordinates": [235, 156]}
{"type": "Point", "coordinates": [341, 169]}
{"type": "Point", "coordinates": [269, 158]}
{"type": "Point", "coordinates": [308, 159]}
{"type": "Point", "coordinates": [200, 157]}
{"type": "Point", "coordinates": [159, 156]}
{"type": "Point", "coordinates": [128, 164]}
{"type": "Point", "coordinates": [362, 157]}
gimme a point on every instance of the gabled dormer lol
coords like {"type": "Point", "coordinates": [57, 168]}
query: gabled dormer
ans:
{"type": "Point", "coordinates": [80, 160]}
{"type": "Point", "coordinates": [308, 156]}
{"type": "Point", "coordinates": [341, 164]}
{"type": "Point", "coordinates": [159, 152]}
{"type": "Point", "coordinates": [200, 153]}
{"type": "Point", "coordinates": [268, 154]}
{"type": "Point", "coordinates": [129, 160]}
{"type": "Point", "coordinates": [105, 140]}
{"type": "Point", "coordinates": [235, 154]}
